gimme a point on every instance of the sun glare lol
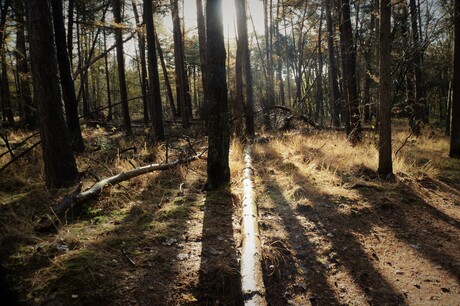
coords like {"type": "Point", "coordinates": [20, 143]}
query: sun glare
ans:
{"type": "Point", "coordinates": [229, 16]}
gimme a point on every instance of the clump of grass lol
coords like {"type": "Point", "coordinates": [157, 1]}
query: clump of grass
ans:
{"type": "Point", "coordinates": [76, 276]}
{"type": "Point", "coordinates": [236, 160]}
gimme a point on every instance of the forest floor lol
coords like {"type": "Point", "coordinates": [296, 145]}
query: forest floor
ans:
{"type": "Point", "coordinates": [333, 232]}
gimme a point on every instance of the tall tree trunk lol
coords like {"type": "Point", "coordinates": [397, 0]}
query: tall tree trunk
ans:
{"type": "Point", "coordinates": [107, 80]}
{"type": "Point", "coordinates": [4, 83]}
{"type": "Point", "coordinates": [144, 80]}
{"type": "Point", "coordinates": [279, 55]}
{"type": "Point", "coordinates": [70, 21]}
{"type": "Point", "coordinates": [319, 80]}
{"type": "Point", "coordinates": [288, 64]}
{"type": "Point", "coordinates": [349, 73]}
{"type": "Point", "coordinates": [67, 85]}
{"type": "Point", "coordinates": [155, 106]}
{"type": "Point", "coordinates": [455, 112]}
{"type": "Point", "coordinates": [299, 64]}
{"type": "Point", "coordinates": [420, 97]}
{"type": "Point", "coordinates": [181, 74]}
{"type": "Point", "coordinates": [385, 160]}
{"type": "Point", "coordinates": [121, 67]}
{"type": "Point", "coordinates": [195, 90]}
{"type": "Point", "coordinates": [334, 94]}
{"type": "Point", "coordinates": [5, 91]}
{"type": "Point", "coordinates": [3, 12]}
{"type": "Point", "coordinates": [202, 41]}
{"type": "Point", "coordinates": [84, 89]}
{"type": "Point", "coordinates": [268, 52]}
{"type": "Point", "coordinates": [81, 59]}
{"type": "Point", "coordinates": [368, 55]}
{"type": "Point", "coordinates": [237, 108]}
{"type": "Point", "coordinates": [166, 77]}
{"type": "Point", "coordinates": [449, 108]}
{"type": "Point", "coordinates": [218, 121]}
{"type": "Point", "coordinates": [60, 167]}
{"type": "Point", "coordinates": [25, 95]}
{"type": "Point", "coordinates": [244, 91]}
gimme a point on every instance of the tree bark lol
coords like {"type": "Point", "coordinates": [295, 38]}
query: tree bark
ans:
{"type": "Point", "coordinates": [455, 112]}
{"type": "Point", "coordinates": [268, 53]}
{"type": "Point", "coordinates": [279, 55]}
{"type": "Point", "coordinates": [4, 10]}
{"type": "Point", "coordinates": [144, 79]}
{"type": "Point", "coordinates": [202, 41]}
{"type": "Point", "coordinates": [181, 74]}
{"type": "Point", "coordinates": [349, 73]}
{"type": "Point", "coordinates": [299, 57]}
{"type": "Point", "coordinates": [252, 284]}
{"type": "Point", "coordinates": [25, 94]}
{"type": "Point", "coordinates": [218, 122]}
{"type": "Point", "coordinates": [237, 108]}
{"type": "Point", "coordinates": [155, 106]}
{"type": "Point", "coordinates": [421, 107]}
{"type": "Point", "coordinates": [70, 22]}
{"type": "Point", "coordinates": [288, 64]}
{"type": "Point", "coordinates": [60, 167]}
{"type": "Point", "coordinates": [334, 94]}
{"type": "Point", "coordinates": [166, 78]}
{"type": "Point", "coordinates": [449, 108]}
{"type": "Point", "coordinates": [121, 67]}
{"type": "Point", "coordinates": [319, 77]}
{"type": "Point", "coordinates": [385, 159]}
{"type": "Point", "coordinates": [369, 54]}
{"type": "Point", "coordinates": [107, 79]}
{"type": "Point", "coordinates": [4, 83]}
{"type": "Point", "coordinates": [244, 89]}
{"type": "Point", "coordinates": [67, 85]}
{"type": "Point", "coordinates": [5, 92]}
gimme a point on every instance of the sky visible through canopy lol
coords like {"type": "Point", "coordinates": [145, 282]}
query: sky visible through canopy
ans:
{"type": "Point", "coordinates": [229, 16]}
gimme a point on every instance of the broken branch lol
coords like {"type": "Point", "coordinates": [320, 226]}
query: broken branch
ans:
{"type": "Point", "coordinates": [78, 197]}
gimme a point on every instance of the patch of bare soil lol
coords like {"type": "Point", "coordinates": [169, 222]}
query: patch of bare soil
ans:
{"type": "Point", "coordinates": [354, 239]}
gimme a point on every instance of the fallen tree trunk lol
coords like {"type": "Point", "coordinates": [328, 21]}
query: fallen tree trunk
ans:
{"type": "Point", "coordinates": [252, 284]}
{"type": "Point", "coordinates": [75, 198]}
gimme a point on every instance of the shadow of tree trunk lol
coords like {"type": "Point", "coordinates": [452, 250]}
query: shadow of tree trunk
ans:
{"type": "Point", "coordinates": [219, 279]}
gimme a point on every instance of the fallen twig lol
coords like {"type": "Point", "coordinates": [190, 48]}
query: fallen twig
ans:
{"type": "Point", "coordinates": [7, 143]}
{"type": "Point", "coordinates": [127, 257]}
{"type": "Point", "coordinates": [20, 155]}
{"type": "Point", "coordinates": [404, 143]}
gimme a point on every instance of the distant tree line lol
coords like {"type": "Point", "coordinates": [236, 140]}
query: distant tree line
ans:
{"type": "Point", "coordinates": [338, 63]}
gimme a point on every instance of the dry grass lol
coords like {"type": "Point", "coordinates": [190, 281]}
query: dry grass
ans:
{"type": "Point", "coordinates": [236, 161]}
{"type": "Point", "coordinates": [325, 162]}
{"type": "Point", "coordinates": [326, 154]}
{"type": "Point", "coordinates": [148, 208]}
{"type": "Point", "coordinates": [314, 183]}
{"type": "Point", "coordinates": [156, 206]}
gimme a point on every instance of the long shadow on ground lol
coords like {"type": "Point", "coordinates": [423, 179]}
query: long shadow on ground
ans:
{"type": "Point", "coordinates": [345, 250]}
{"type": "Point", "coordinates": [434, 234]}
{"type": "Point", "coordinates": [219, 279]}
{"type": "Point", "coordinates": [133, 260]}
{"type": "Point", "coordinates": [302, 251]}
